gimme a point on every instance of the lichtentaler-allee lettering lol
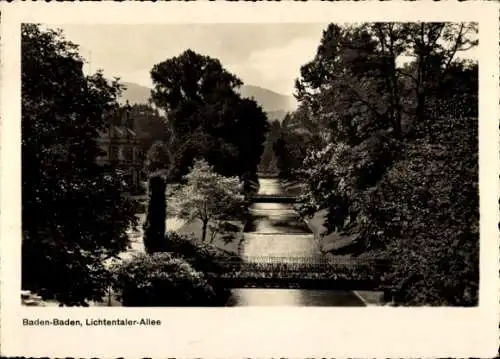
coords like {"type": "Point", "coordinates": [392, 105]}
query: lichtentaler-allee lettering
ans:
{"type": "Point", "coordinates": [120, 322]}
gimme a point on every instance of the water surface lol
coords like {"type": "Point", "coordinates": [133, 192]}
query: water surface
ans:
{"type": "Point", "coordinates": [276, 230]}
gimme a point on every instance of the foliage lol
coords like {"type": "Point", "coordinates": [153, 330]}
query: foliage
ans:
{"type": "Point", "coordinates": [391, 166]}
{"type": "Point", "coordinates": [338, 175]}
{"type": "Point", "coordinates": [156, 138]}
{"type": "Point", "coordinates": [74, 212]}
{"type": "Point", "coordinates": [354, 62]}
{"type": "Point", "coordinates": [158, 158]}
{"type": "Point", "coordinates": [154, 227]}
{"type": "Point", "coordinates": [150, 125]}
{"type": "Point", "coordinates": [207, 116]}
{"type": "Point", "coordinates": [425, 212]}
{"type": "Point", "coordinates": [269, 160]}
{"type": "Point", "coordinates": [159, 279]}
{"type": "Point", "coordinates": [208, 196]}
{"type": "Point", "coordinates": [204, 257]}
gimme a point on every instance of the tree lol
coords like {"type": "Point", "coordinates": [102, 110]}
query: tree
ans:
{"type": "Point", "coordinates": [425, 213]}
{"type": "Point", "coordinates": [208, 197]}
{"type": "Point", "coordinates": [269, 160]}
{"type": "Point", "coordinates": [352, 63]}
{"type": "Point", "coordinates": [74, 212]}
{"type": "Point", "coordinates": [296, 135]}
{"type": "Point", "coordinates": [158, 158]}
{"type": "Point", "coordinates": [154, 227]}
{"type": "Point", "coordinates": [434, 47]}
{"type": "Point", "coordinates": [389, 165]}
{"type": "Point", "coordinates": [207, 116]}
{"type": "Point", "coordinates": [150, 125]}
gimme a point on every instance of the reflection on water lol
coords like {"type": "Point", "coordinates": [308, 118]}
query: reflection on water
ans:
{"type": "Point", "coordinates": [292, 297]}
{"type": "Point", "coordinates": [276, 230]}
{"type": "Point", "coordinates": [270, 186]}
{"type": "Point", "coordinates": [275, 218]}
{"type": "Point", "coordinates": [282, 207]}
{"type": "Point", "coordinates": [297, 245]}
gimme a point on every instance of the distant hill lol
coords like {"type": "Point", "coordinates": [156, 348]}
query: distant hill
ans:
{"type": "Point", "coordinates": [269, 100]}
{"type": "Point", "coordinates": [135, 94]}
{"type": "Point", "coordinates": [274, 104]}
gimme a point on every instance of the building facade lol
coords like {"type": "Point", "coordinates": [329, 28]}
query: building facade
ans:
{"type": "Point", "coordinates": [122, 147]}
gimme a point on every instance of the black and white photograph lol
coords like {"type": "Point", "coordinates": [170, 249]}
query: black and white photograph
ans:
{"type": "Point", "coordinates": [250, 165]}
{"type": "Point", "coordinates": [218, 180]}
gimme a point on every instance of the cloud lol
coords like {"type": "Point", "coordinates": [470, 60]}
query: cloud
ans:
{"type": "Point", "coordinates": [266, 55]}
{"type": "Point", "coordinates": [277, 68]}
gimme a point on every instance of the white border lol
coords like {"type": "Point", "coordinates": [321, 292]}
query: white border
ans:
{"type": "Point", "coordinates": [254, 332]}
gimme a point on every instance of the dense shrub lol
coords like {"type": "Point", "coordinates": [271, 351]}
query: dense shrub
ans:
{"type": "Point", "coordinates": [160, 279]}
{"type": "Point", "coordinates": [202, 256]}
{"type": "Point", "coordinates": [426, 213]}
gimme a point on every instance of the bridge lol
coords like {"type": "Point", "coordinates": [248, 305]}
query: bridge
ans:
{"type": "Point", "coordinates": [266, 198]}
{"type": "Point", "coordinates": [261, 174]}
{"type": "Point", "coordinates": [302, 272]}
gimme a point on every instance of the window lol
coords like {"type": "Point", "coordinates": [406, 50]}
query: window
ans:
{"type": "Point", "coordinates": [113, 153]}
{"type": "Point", "coordinates": [129, 154]}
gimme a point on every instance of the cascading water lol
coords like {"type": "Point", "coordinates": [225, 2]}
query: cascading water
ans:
{"type": "Point", "coordinates": [276, 230]}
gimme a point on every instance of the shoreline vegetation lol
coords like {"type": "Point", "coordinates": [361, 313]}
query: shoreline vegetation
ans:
{"type": "Point", "coordinates": [178, 267]}
{"type": "Point", "coordinates": [334, 243]}
{"type": "Point", "coordinates": [191, 231]}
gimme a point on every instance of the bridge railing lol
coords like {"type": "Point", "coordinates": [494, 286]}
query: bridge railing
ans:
{"type": "Point", "coordinates": [301, 276]}
{"type": "Point", "coordinates": [309, 259]}
{"type": "Point", "coordinates": [272, 196]}
{"type": "Point", "coordinates": [304, 267]}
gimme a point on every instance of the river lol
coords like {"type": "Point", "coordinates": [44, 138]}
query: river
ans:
{"type": "Point", "coordinates": [276, 230]}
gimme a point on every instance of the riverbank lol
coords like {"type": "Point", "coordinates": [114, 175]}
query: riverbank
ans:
{"type": "Point", "coordinates": [226, 241]}
{"type": "Point", "coordinates": [334, 242]}
{"type": "Point", "coordinates": [328, 243]}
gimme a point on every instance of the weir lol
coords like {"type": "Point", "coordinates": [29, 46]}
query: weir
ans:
{"type": "Point", "coordinates": [282, 263]}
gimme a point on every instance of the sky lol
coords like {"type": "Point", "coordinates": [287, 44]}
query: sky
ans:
{"type": "Point", "coordinates": [265, 55]}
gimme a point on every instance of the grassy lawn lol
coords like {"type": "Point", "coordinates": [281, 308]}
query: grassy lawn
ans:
{"type": "Point", "coordinates": [195, 228]}
{"type": "Point", "coordinates": [292, 188]}
{"type": "Point", "coordinates": [225, 241]}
